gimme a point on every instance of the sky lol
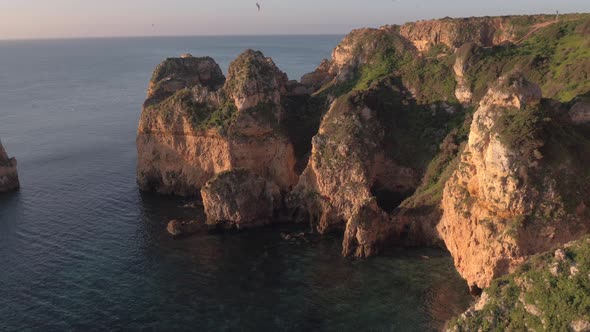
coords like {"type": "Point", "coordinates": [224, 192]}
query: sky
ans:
{"type": "Point", "coordinates": [39, 19]}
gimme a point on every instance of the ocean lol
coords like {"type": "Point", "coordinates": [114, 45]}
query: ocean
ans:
{"type": "Point", "coordinates": [81, 248]}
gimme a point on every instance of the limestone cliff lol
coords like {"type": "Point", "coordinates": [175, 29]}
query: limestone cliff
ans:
{"type": "Point", "coordinates": [8, 174]}
{"type": "Point", "coordinates": [386, 141]}
{"type": "Point", "coordinates": [520, 179]}
{"type": "Point", "coordinates": [365, 152]}
{"type": "Point", "coordinates": [421, 57]}
{"type": "Point", "coordinates": [350, 160]}
{"type": "Point", "coordinates": [456, 59]}
{"type": "Point", "coordinates": [195, 124]}
{"type": "Point", "coordinates": [483, 31]}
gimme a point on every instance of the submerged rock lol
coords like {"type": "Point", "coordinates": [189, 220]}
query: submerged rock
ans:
{"type": "Point", "coordinates": [179, 228]}
{"type": "Point", "coordinates": [240, 199]}
{"type": "Point", "coordinates": [8, 173]}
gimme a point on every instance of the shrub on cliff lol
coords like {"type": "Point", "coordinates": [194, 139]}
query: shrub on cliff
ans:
{"type": "Point", "coordinates": [550, 292]}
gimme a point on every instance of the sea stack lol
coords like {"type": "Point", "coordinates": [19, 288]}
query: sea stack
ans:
{"type": "Point", "coordinates": [8, 174]}
{"type": "Point", "coordinates": [196, 123]}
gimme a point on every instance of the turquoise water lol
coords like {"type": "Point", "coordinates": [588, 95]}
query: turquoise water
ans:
{"type": "Point", "coordinates": [82, 249]}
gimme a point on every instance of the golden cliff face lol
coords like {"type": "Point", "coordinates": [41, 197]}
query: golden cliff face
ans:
{"type": "Point", "coordinates": [347, 164]}
{"type": "Point", "coordinates": [194, 125]}
{"type": "Point", "coordinates": [503, 203]}
{"type": "Point", "coordinates": [8, 174]}
{"type": "Point", "coordinates": [507, 182]}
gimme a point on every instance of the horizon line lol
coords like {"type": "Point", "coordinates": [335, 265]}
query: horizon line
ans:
{"type": "Point", "coordinates": [268, 34]}
{"type": "Point", "coordinates": [172, 36]}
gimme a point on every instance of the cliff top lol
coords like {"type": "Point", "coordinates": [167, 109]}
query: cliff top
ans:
{"type": "Point", "coordinates": [251, 73]}
{"type": "Point", "coordinates": [174, 74]}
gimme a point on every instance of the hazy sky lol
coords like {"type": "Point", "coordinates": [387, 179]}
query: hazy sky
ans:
{"type": "Point", "coordinates": [84, 18]}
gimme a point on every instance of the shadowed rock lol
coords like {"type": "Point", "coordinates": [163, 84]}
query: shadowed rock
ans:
{"type": "Point", "coordinates": [240, 199]}
{"type": "Point", "coordinates": [8, 173]}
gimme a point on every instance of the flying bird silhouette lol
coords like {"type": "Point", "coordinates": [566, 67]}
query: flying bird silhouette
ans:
{"type": "Point", "coordinates": [258, 6]}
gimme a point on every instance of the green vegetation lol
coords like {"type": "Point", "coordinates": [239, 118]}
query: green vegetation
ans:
{"type": "Point", "coordinates": [442, 166]}
{"type": "Point", "coordinates": [521, 129]}
{"type": "Point", "coordinates": [413, 132]}
{"type": "Point", "coordinates": [387, 54]}
{"type": "Point", "coordinates": [396, 124]}
{"type": "Point", "coordinates": [556, 57]}
{"type": "Point", "coordinates": [543, 133]}
{"type": "Point", "coordinates": [201, 116]}
{"type": "Point", "coordinates": [545, 294]}
{"type": "Point", "coordinates": [567, 152]}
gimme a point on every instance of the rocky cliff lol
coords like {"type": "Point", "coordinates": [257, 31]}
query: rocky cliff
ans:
{"type": "Point", "coordinates": [195, 124]}
{"type": "Point", "coordinates": [520, 178]}
{"type": "Point", "coordinates": [8, 174]}
{"type": "Point", "coordinates": [471, 134]}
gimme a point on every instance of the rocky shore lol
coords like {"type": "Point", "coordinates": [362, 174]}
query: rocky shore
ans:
{"type": "Point", "coordinates": [470, 134]}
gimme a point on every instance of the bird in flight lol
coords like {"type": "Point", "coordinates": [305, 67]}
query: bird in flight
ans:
{"type": "Point", "coordinates": [258, 6]}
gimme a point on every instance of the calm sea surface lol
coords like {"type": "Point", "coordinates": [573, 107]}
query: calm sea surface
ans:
{"type": "Point", "coordinates": [82, 249]}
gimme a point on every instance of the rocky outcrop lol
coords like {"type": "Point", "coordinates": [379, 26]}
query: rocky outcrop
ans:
{"type": "Point", "coordinates": [463, 55]}
{"type": "Point", "coordinates": [484, 31]}
{"type": "Point", "coordinates": [507, 191]}
{"type": "Point", "coordinates": [8, 173]}
{"type": "Point", "coordinates": [347, 161]}
{"type": "Point", "coordinates": [196, 124]}
{"type": "Point", "coordinates": [319, 77]}
{"type": "Point", "coordinates": [178, 228]}
{"type": "Point", "coordinates": [240, 199]}
{"type": "Point", "coordinates": [360, 47]}
{"type": "Point", "coordinates": [367, 230]}
{"type": "Point", "coordinates": [175, 74]}
{"type": "Point", "coordinates": [548, 293]}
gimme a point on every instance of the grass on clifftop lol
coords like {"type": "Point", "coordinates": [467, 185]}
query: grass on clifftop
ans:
{"type": "Point", "coordinates": [545, 294]}
{"type": "Point", "coordinates": [544, 134]}
{"type": "Point", "coordinates": [386, 54]}
{"type": "Point", "coordinates": [556, 57]}
{"type": "Point", "coordinates": [431, 79]}
{"type": "Point", "coordinates": [201, 117]}
{"type": "Point", "coordinates": [412, 132]}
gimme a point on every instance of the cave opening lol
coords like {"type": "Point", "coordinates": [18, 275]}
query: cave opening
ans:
{"type": "Point", "coordinates": [389, 199]}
